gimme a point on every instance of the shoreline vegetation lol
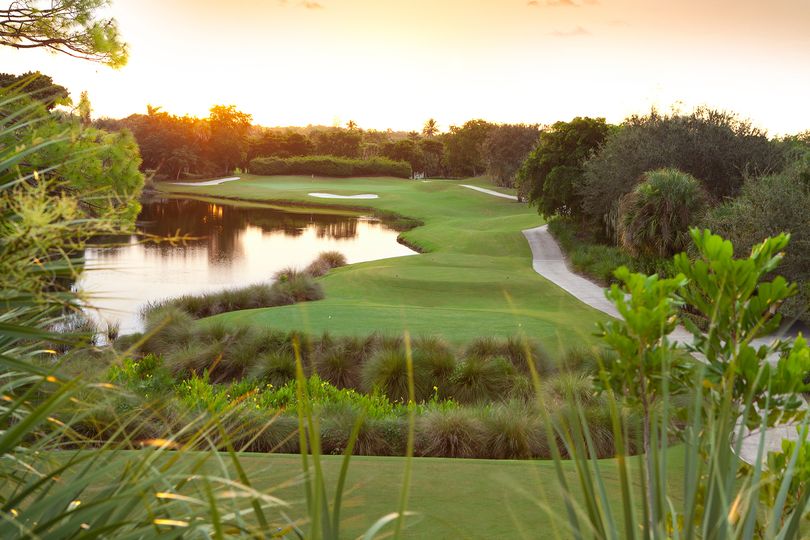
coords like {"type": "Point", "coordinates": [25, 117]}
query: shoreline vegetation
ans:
{"type": "Point", "coordinates": [462, 235]}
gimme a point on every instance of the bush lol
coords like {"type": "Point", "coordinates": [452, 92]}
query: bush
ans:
{"type": "Point", "coordinates": [377, 436]}
{"type": "Point", "coordinates": [325, 262]}
{"type": "Point", "coordinates": [340, 363]}
{"type": "Point", "coordinates": [523, 351]}
{"type": "Point", "coordinates": [767, 206]}
{"type": "Point", "coordinates": [276, 368]}
{"type": "Point", "coordinates": [387, 371]}
{"type": "Point", "coordinates": [146, 376]}
{"type": "Point", "coordinates": [513, 431]}
{"type": "Point", "coordinates": [654, 218]}
{"type": "Point", "coordinates": [483, 347]}
{"type": "Point", "coordinates": [258, 431]}
{"type": "Point", "coordinates": [194, 358]}
{"type": "Point", "coordinates": [450, 433]}
{"type": "Point", "coordinates": [433, 357]}
{"type": "Point", "coordinates": [478, 379]}
{"type": "Point", "coordinates": [329, 166]}
{"type": "Point", "coordinates": [713, 146]}
{"type": "Point", "coordinates": [569, 388]}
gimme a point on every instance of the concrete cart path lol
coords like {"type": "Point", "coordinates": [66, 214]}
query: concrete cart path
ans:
{"type": "Point", "coordinates": [207, 182]}
{"type": "Point", "coordinates": [491, 192]}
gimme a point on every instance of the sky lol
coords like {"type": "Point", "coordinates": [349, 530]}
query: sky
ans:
{"type": "Point", "coordinates": [395, 63]}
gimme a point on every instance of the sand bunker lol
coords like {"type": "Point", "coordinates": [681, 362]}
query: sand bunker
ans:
{"type": "Point", "coordinates": [333, 196]}
{"type": "Point", "coordinates": [207, 182]}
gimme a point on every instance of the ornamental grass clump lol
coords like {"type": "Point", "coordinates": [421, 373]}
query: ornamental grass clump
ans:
{"type": "Point", "coordinates": [513, 431]}
{"type": "Point", "coordinates": [376, 436]}
{"type": "Point", "coordinates": [326, 261]}
{"type": "Point", "coordinates": [339, 361]}
{"type": "Point", "coordinates": [456, 432]}
{"type": "Point", "coordinates": [275, 368]}
{"type": "Point", "coordinates": [433, 358]}
{"type": "Point", "coordinates": [387, 371]}
{"type": "Point", "coordinates": [522, 352]}
{"type": "Point", "coordinates": [477, 379]}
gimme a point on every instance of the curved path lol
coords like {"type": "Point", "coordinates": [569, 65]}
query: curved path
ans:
{"type": "Point", "coordinates": [207, 182]}
{"type": "Point", "coordinates": [333, 196]}
{"type": "Point", "coordinates": [548, 261]}
{"type": "Point", "coordinates": [491, 192]}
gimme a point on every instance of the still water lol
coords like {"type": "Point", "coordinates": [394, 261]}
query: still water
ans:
{"type": "Point", "coordinates": [229, 246]}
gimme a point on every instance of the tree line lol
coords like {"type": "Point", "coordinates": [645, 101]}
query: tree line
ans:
{"type": "Point", "coordinates": [186, 146]}
{"type": "Point", "coordinates": [640, 186]}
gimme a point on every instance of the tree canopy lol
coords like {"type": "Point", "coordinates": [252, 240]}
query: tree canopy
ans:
{"type": "Point", "coordinates": [715, 147]}
{"type": "Point", "coordinates": [505, 148]}
{"type": "Point", "coordinates": [464, 147]}
{"type": "Point", "coordinates": [552, 172]}
{"type": "Point", "coordinates": [72, 27]}
{"type": "Point", "coordinates": [37, 86]}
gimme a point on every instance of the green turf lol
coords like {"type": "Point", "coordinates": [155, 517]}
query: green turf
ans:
{"type": "Point", "coordinates": [453, 498]}
{"type": "Point", "coordinates": [475, 277]}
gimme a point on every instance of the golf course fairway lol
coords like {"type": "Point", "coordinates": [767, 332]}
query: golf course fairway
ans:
{"type": "Point", "coordinates": [473, 278]}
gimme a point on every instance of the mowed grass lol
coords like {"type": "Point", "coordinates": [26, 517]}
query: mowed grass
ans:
{"type": "Point", "coordinates": [452, 498]}
{"type": "Point", "coordinates": [474, 277]}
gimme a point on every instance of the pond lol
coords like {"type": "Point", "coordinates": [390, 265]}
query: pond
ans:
{"type": "Point", "coordinates": [227, 246]}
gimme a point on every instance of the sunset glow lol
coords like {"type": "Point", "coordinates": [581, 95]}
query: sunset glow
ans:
{"type": "Point", "coordinates": [394, 63]}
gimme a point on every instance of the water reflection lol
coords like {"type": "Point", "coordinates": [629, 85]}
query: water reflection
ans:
{"type": "Point", "coordinates": [231, 246]}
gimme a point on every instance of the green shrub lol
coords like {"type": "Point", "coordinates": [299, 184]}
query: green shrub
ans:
{"type": "Point", "coordinates": [146, 376]}
{"type": "Point", "coordinates": [377, 436]}
{"type": "Point", "coordinates": [478, 379]}
{"type": "Point", "coordinates": [387, 371]}
{"type": "Point", "coordinates": [168, 327]}
{"type": "Point", "coordinates": [326, 261]}
{"type": "Point", "coordinates": [433, 357]}
{"type": "Point", "coordinates": [243, 351]}
{"type": "Point", "coordinates": [579, 359]}
{"type": "Point", "coordinates": [483, 347]}
{"type": "Point", "coordinates": [521, 351]}
{"type": "Point", "coordinates": [291, 287]}
{"type": "Point", "coordinates": [296, 288]}
{"type": "Point", "coordinates": [569, 387]}
{"type": "Point", "coordinates": [329, 166]}
{"type": "Point", "coordinates": [194, 358]}
{"type": "Point", "coordinates": [340, 363]}
{"type": "Point", "coordinates": [276, 368]}
{"type": "Point", "coordinates": [513, 431]}
{"type": "Point", "coordinates": [654, 217]}
{"type": "Point", "coordinates": [450, 433]}
{"type": "Point", "coordinates": [263, 431]}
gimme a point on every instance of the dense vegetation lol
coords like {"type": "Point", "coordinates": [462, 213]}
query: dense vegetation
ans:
{"type": "Point", "coordinates": [146, 446]}
{"type": "Point", "coordinates": [630, 193]}
{"type": "Point", "coordinates": [330, 166]}
{"type": "Point", "coordinates": [474, 401]}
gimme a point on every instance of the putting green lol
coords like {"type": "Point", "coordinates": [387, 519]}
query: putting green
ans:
{"type": "Point", "coordinates": [474, 278]}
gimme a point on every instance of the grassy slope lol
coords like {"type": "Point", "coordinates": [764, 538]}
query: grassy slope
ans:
{"type": "Point", "coordinates": [454, 498]}
{"type": "Point", "coordinates": [477, 259]}
{"type": "Point", "coordinates": [475, 277]}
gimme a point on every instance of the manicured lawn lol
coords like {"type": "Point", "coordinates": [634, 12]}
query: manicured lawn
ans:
{"type": "Point", "coordinates": [453, 498]}
{"type": "Point", "coordinates": [475, 277]}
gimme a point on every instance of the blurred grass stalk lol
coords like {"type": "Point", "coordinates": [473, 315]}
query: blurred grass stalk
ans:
{"type": "Point", "coordinates": [55, 481]}
{"type": "Point", "coordinates": [733, 387]}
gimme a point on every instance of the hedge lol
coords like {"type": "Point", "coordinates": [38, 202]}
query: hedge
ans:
{"type": "Point", "coordinates": [330, 166]}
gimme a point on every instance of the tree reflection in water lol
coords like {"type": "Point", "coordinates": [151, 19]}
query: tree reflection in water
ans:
{"type": "Point", "coordinates": [230, 246]}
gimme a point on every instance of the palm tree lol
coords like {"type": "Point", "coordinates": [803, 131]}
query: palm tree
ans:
{"type": "Point", "coordinates": [654, 218]}
{"type": "Point", "coordinates": [431, 128]}
{"type": "Point", "coordinates": [351, 125]}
